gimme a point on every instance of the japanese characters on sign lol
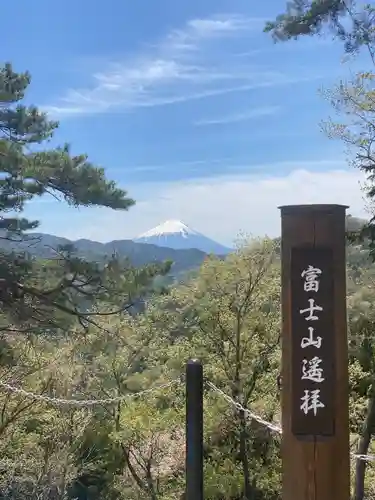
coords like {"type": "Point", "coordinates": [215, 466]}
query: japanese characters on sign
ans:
{"type": "Point", "coordinates": [312, 342]}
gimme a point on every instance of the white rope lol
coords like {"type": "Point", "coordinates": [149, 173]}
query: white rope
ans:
{"type": "Point", "coordinates": [366, 458]}
{"type": "Point", "coordinates": [273, 427]}
{"type": "Point", "coordinates": [252, 416]}
{"type": "Point", "coordinates": [82, 403]}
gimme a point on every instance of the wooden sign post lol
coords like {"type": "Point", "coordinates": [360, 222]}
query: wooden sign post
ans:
{"type": "Point", "coordinates": [315, 444]}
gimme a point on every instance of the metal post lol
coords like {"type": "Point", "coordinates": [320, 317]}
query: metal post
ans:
{"type": "Point", "coordinates": [194, 430]}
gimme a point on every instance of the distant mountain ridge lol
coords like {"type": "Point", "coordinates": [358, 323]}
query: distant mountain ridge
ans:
{"type": "Point", "coordinates": [172, 240]}
{"type": "Point", "coordinates": [43, 245]}
{"type": "Point", "coordinates": [139, 253]}
{"type": "Point", "coordinates": [177, 235]}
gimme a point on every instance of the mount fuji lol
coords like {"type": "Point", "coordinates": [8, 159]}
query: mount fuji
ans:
{"type": "Point", "coordinates": [177, 235]}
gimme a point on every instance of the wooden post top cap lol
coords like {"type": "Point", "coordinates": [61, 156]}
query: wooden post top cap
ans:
{"type": "Point", "coordinates": [298, 209]}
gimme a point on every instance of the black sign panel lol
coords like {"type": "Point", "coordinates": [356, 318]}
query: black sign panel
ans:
{"type": "Point", "coordinates": [313, 350]}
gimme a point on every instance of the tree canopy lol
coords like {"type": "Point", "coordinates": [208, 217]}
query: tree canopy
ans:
{"type": "Point", "coordinates": [350, 21]}
{"type": "Point", "coordinates": [131, 446]}
{"type": "Point", "coordinates": [91, 399]}
{"type": "Point", "coordinates": [66, 289]}
{"type": "Point", "coordinates": [353, 23]}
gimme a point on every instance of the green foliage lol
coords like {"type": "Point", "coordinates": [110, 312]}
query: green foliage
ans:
{"type": "Point", "coordinates": [27, 174]}
{"type": "Point", "coordinates": [306, 18]}
{"type": "Point", "coordinates": [51, 309]}
{"type": "Point", "coordinates": [354, 24]}
{"type": "Point", "coordinates": [350, 21]}
{"type": "Point", "coordinates": [43, 246]}
{"type": "Point", "coordinates": [228, 315]}
{"type": "Point", "coordinates": [68, 289]}
{"type": "Point", "coordinates": [72, 328]}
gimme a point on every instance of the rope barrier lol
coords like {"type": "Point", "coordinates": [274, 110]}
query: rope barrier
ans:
{"type": "Point", "coordinates": [82, 403]}
{"type": "Point", "coordinates": [86, 403]}
{"type": "Point", "coordinates": [252, 416]}
{"type": "Point", "coordinates": [271, 426]}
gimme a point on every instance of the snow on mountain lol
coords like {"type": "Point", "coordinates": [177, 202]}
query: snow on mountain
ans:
{"type": "Point", "coordinates": [169, 227]}
{"type": "Point", "coordinates": [177, 235]}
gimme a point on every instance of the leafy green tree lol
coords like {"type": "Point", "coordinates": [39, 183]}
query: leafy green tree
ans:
{"type": "Point", "coordinates": [116, 364]}
{"type": "Point", "coordinates": [353, 23]}
{"type": "Point", "coordinates": [38, 440]}
{"type": "Point", "coordinates": [229, 317]}
{"type": "Point", "coordinates": [40, 296]}
{"type": "Point", "coordinates": [362, 378]}
{"type": "Point", "coordinates": [152, 440]}
{"type": "Point", "coordinates": [350, 21]}
{"type": "Point", "coordinates": [29, 174]}
{"type": "Point", "coordinates": [134, 448]}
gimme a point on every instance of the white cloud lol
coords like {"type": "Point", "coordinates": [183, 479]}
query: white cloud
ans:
{"type": "Point", "coordinates": [223, 207]}
{"type": "Point", "coordinates": [220, 25]}
{"type": "Point", "coordinates": [181, 42]}
{"type": "Point", "coordinates": [101, 99]}
{"type": "Point", "coordinates": [240, 117]}
{"type": "Point", "coordinates": [180, 164]}
{"type": "Point", "coordinates": [181, 67]}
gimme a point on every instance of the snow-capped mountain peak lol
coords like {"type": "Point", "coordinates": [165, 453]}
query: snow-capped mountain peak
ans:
{"type": "Point", "coordinates": [178, 236]}
{"type": "Point", "coordinates": [169, 227]}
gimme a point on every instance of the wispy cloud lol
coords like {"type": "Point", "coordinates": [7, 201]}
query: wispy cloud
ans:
{"type": "Point", "coordinates": [231, 165]}
{"type": "Point", "coordinates": [181, 164]}
{"type": "Point", "coordinates": [181, 67]}
{"type": "Point", "coordinates": [219, 26]}
{"type": "Point", "coordinates": [239, 117]}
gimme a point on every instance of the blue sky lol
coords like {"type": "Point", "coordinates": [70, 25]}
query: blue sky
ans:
{"type": "Point", "coordinates": [189, 106]}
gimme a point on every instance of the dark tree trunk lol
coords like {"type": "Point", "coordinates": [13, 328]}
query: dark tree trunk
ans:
{"type": "Point", "coordinates": [363, 446]}
{"type": "Point", "coordinates": [248, 491]}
